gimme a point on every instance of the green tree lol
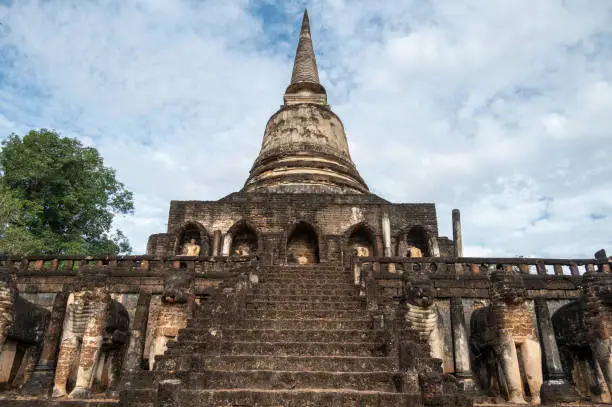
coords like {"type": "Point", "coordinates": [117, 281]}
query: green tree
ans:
{"type": "Point", "coordinates": [14, 236]}
{"type": "Point", "coordinates": [61, 195]}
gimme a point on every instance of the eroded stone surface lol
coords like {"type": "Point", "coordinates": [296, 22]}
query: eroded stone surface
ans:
{"type": "Point", "coordinates": [177, 301]}
{"type": "Point", "coordinates": [22, 327]}
{"type": "Point", "coordinates": [94, 334]}
{"type": "Point", "coordinates": [498, 333]}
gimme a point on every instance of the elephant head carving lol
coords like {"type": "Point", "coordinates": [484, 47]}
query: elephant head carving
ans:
{"type": "Point", "coordinates": [507, 287]}
{"type": "Point", "coordinates": [178, 287]}
{"type": "Point", "coordinates": [420, 293]}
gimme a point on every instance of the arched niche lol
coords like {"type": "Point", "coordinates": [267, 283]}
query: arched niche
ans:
{"type": "Point", "coordinates": [192, 233]}
{"type": "Point", "coordinates": [413, 243]}
{"type": "Point", "coordinates": [361, 241]}
{"type": "Point", "coordinates": [303, 245]}
{"type": "Point", "coordinates": [244, 240]}
{"type": "Point", "coordinates": [417, 237]}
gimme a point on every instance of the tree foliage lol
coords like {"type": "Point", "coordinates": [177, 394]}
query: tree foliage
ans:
{"type": "Point", "coordinates": [58, 197]}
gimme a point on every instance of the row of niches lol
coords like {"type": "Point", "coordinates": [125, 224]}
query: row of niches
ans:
{"type": "Point", "coordinates": [302, 245]}
{"type": "Point", "coordinates": [193, 241]}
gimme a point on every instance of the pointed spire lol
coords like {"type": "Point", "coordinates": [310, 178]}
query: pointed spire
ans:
{"type": "Point", "coordinates": [305, 86]}
{"type": "Point", "coordinates": [305, 64]}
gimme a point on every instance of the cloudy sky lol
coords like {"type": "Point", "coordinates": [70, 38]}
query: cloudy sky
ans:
{"type": "Point", "coordinates": [502, 109]}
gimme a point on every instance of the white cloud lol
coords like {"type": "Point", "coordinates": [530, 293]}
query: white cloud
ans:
{"type": "Point", "coordinates": [498, 108]}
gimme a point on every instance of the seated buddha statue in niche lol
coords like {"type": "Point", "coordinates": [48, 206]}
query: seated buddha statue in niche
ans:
{"type": "Point", "coordinates": [362, 251]}
{"type": "Point", "coordinates": [242, 250]}
{"type": "Point", "coordinates": [191, 248]}
{"type": "Point", "coordinates": [414, 252]}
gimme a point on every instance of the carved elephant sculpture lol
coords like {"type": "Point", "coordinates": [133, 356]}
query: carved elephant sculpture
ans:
{"type": "Point", "coordinates": [177, 302]}
{"type": "Point", "coordinates": [496, 332]}
{"type": "Point", "coordinates": [22, 328]}
{"type": "Point", "coordinates": [583, 330]}
{"type": "Point", "coordinates": [96, 329]}
{"type": "Point", "coordinates": [421, 313]}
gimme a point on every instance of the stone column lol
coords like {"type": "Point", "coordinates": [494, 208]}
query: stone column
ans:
{"type": "Point", "coordinates": [135, 350]}
{"type": "Point", "coordinates": [434, 248]}
{"type": "Point", "coordinates": [227, 245]}
{"type": "Point", "coordinates": [457, 239]}
{"type": "Point", "coordinates": [216, 246]}
{"type": "Point", "coordinates": [463, 370]}
{"type": "Point", "coordinates": [386, 229]}
{"type": "Point", "coordinates": [41, 381]}
{"type": "Point", "coordinates": [555, 388]}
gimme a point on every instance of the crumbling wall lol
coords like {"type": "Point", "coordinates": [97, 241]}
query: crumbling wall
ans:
{"type": "Point", "coordinates": [273, 217]}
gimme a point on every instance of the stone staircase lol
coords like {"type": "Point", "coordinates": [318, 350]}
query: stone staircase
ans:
{"type": "Point", "coordinates": [305, 339]}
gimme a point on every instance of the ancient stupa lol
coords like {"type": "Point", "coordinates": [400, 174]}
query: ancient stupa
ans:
{"type": "Point", "coordinates": [304, 289]}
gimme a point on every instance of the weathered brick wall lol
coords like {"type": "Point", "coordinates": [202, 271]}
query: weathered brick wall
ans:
{"type": "Point", "coordinates": [447, 247]}
{"type": "Point", "coordinates": [333, 216]}
{"type": "Point", "coordinates": [161, 244]}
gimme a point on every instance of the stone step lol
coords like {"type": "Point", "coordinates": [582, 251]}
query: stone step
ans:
{"type": "Point", "coordinates": [295, 335]}
{"type": "Point", "coordinates": [284, 291]}
{"type": "Point", "coordinates": [304, 305]}
{"type": "Point", "coordinates": [324, 313]}
{"type": "Point", "coordinates": [314, 271]}
{"type": "Point", "coordinates": [305, 268]}
{"type": "Point", "coordinates": [138, 397]}
{"type": "Point", "coordinates": [283, 380]}
{"type": "Point", "coordinates": [294, 398]}
{"type": "Point", "coordinates": [311, 298]}
{"type": "Point", "coordinates": [232, 363]}
{"type": "Point", "coordinates": [308, 276]}
{"type": "Point", "coordinates": [278, 348]}
{"type": "Point", "coordinates": [355, 322]}
{"type": "Point", "coordinates": [305, 286]}
{"type": "Point", "coordinates": [193, 334]}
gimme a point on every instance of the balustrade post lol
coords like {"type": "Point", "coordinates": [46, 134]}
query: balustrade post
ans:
{"type": "Point", "coordinates": [574, 269]}
{"type": "Point", "coordinates": [541, 268]}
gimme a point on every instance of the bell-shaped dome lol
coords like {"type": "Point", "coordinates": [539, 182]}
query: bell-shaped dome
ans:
{"type": "Point", "coordinates": [304, 147]}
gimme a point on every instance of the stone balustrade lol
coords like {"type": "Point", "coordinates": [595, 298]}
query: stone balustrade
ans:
{"type": "Point", "coordinates": [140, 263]}
{"type": "Point", "coordinates": [480, 265]}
